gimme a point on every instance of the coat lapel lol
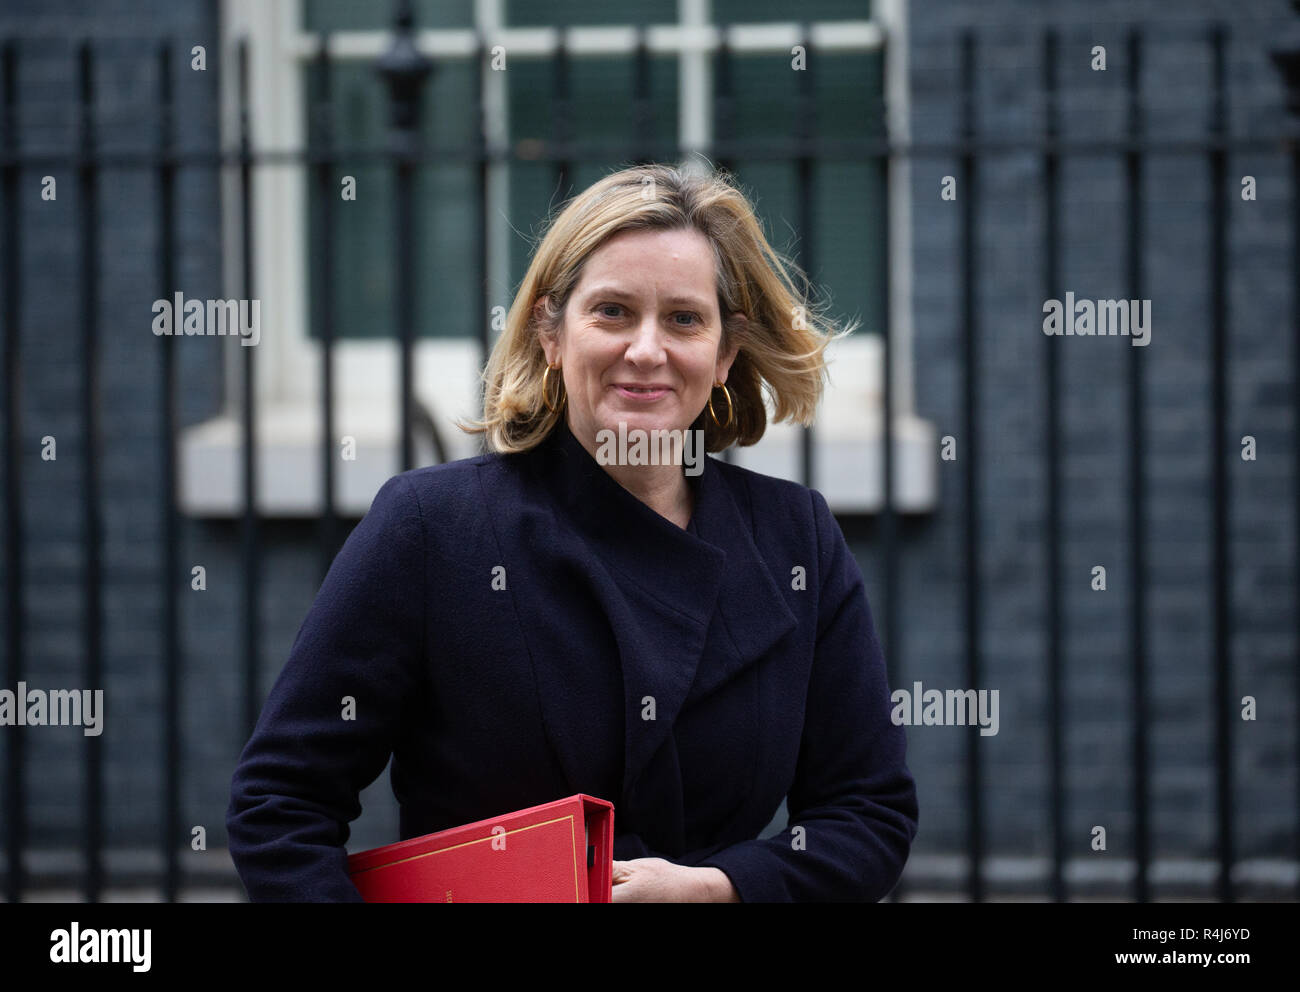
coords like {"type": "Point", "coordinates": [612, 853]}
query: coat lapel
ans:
{"type": "Point", "coordinates": [659, 587]}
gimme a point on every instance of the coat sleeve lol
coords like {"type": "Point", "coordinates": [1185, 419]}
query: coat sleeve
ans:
{"type": "Point", "coordinates": [628, 846]}
{"type": "Point", "coordinates": [852, 793]}
{"type": "Point", "coordinates": [296, 786]}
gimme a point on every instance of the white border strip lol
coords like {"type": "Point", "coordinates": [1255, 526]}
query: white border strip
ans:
{"type": "Point", "coordinates": [661, 39]}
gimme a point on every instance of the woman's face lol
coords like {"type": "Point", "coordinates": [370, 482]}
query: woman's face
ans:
{"type": "Point", "coordinates": [639, 342]}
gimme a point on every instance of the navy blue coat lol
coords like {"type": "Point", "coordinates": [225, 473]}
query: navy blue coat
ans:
{"type": "Point", "coordinates": [491, 699]}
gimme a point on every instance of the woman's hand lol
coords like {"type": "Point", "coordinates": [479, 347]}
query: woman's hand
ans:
{"type": "Point", "coordinates": [657, 880]}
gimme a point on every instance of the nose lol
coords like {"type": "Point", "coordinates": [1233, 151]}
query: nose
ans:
{"type": "Point", "coordinates": [646, 349]}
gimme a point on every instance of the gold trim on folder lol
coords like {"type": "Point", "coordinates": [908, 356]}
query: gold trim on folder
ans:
{"type": "Point", "coordinates": [479, 840]}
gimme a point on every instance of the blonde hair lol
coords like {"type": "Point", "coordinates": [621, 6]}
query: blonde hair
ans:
{"type": "Point", "coordinates": [782, 337]}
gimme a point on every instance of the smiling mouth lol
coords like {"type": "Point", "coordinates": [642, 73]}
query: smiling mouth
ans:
{"type": "Point", "coordinates": [642, 392]}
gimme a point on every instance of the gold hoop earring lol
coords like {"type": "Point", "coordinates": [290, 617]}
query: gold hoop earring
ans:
{"type": "Point", "coordinates": [546, 396]}
{"type": "Point", "coordinates": [730, 410]}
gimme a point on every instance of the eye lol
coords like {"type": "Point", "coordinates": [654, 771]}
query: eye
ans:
{"type": "Point", "coordinates": [695, 317]}
{"type": "Point", "coordinates": [602, 307]}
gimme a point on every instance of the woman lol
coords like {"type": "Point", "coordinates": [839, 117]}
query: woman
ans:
{"type": "Point", "coordinates": [689, 640]}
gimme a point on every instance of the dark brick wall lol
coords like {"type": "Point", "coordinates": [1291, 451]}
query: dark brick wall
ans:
{"type": "Point", "coordinates": [125, 38]}
{"type": "Point", "coordinates": [1096, 434]}
{"type": "Point", "coordinates": [929, 645]}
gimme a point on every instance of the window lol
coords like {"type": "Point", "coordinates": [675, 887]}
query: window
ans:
{"type": "Point", "coordinates": [849, 204]}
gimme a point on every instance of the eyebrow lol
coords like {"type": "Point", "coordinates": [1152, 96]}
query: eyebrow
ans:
{"type": "Point", "coordinates": [614, 291]}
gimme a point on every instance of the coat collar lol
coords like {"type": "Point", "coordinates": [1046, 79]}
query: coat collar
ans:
{"type": "Point", "coordinates": [673, 584]}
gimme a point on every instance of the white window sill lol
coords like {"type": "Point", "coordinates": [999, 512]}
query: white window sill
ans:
{"type": "Point", "coordinates": [846, 448]}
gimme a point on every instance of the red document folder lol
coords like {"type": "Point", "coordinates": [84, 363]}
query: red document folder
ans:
{"type": "Point", "coordinates": [557, 852]}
